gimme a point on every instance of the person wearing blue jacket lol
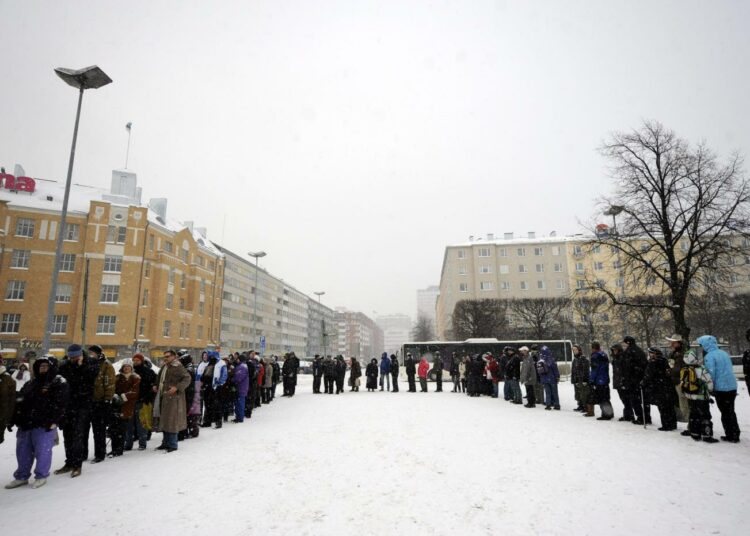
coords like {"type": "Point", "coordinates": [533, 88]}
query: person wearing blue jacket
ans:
{"type": "Point", "coordinates": [599, 382]}
{"type": "Point", "coordinates": [719, 366]}
{"type": "Point", "coordinates": [385, 371]}
{"type": "Point", "coordinates": [549, 376]}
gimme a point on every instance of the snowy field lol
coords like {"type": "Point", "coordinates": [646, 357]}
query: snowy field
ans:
{"type": "Point", "coordinates": [407, 463]}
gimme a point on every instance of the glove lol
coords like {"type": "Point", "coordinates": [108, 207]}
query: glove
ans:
{"type": "Point", "coordinates": [9, 427]}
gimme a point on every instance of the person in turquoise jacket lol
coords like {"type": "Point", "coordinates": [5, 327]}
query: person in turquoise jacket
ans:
{"type": "Point", "coordinates": [719, 366]}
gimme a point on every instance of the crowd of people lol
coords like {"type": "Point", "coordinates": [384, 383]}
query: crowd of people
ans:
{"type": "Point", "coordinates": [84, 395]}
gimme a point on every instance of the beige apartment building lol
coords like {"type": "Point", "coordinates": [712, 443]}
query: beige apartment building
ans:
{"type": "Point", "coordinates": [130, 278]}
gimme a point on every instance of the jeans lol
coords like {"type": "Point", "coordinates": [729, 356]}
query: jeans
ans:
{"type": "Point", "coordinates": [550, 395]}
{"type": "Point", "coordinates": [137, 427]}
{"type": "Point", "coordinates": [385, 380]}
{"type": "Point", "coordinates": [170, 440]}
{"type": "Point", "coordinates": [725, 402]}
{"type": "Point", "coordinates": [33, 444]}
{"type": "Point", "coordinates": [507, 394]}
{"type": "Point", "coordinates": [395, 383]}
{"type": "Point", "coordinates": [239, 408]}
{"type": "Point", "coordinates": [495, 390]}
{"type": "Point", "coordinates": [515, 390]}
{"type": "Point", "coordinates": [423, 384]}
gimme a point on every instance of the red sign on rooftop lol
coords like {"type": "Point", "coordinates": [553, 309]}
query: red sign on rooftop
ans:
{"type": "Point", "coordinates": [18, 184]}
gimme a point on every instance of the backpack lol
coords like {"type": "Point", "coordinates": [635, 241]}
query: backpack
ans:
{"type": "Point", "coordinates": [541, 367]}
{"type": "Point", "coordinates": [689, 382]}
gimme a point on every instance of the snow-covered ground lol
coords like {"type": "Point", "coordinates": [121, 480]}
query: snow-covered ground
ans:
{"type": "Point", "coordinates": [407, 463]}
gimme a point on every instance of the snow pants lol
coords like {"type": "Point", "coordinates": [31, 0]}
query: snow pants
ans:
{"type": "Point", "coordinates": [35, 444]}
{"type": "Point", "coordinates": [725, 402]}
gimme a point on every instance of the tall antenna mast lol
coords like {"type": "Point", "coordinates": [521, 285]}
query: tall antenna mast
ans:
{"type": "Point", "coordinates": [127, 152]}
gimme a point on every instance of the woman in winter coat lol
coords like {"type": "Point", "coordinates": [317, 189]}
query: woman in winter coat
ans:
{"type": "Point", "coordinates": [267, 381]}
{"type": "Point", "coordinates": [355, 374]}
{"type": "Point", "coordinates": [127, 389]}
{"type": "Point", "coordinates": [193, 423]}
{"type": "Point", "coordinates": [422, 370]}
{"type": "Point", "coordinates": [599, 382]}
{"type": "Point", "coordinates": [659, 390]}
{"type": "Point", "coordinates": [211, 409]}
{"type": "Point", "coordinates": [719, 365]}
{"type": "Point", "coordinates": [579, 377]}
{"type": "Point", "coordinates": [528, 376]}
{"type": "Point", "coordinates": [492, 372]}
{"type": "Point", "coordinates": [22, 375]}
{"type": "Point", "coordinates": [549, 376]}
{"type": "Point", "coordinates": [40, 407]}
{"type": "Point", "coordinates": [463, 371]}
{"type": "Point", "coordinates": [372, 375]}
{"type": "Point", "coordinates": [241, 381]}
{"type": "Point", "coordinates": [7, 400]}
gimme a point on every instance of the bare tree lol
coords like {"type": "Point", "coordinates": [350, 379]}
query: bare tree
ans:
{"type": "Point", "coordinates": [649, 322]}
{"type": "Point", "coordinates": [423, 329]}
{"type": "Point", "coordinates": [681, 215]}
{"type": "Point", "coordinates": [592, 313]}
{"type": "Point", "coordinates": [542, 317]}
{"type": "Point", "coordinates": [479, 318]}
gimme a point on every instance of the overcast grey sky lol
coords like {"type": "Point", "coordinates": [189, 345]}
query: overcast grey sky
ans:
{"type": "Point", "coordinates": [352, 140]}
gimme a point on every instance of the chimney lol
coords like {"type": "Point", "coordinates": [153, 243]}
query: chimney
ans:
{"type": "Point", "coordinates": [490, 236]}
{"type": "Point", "coordinates": [508, 236]}
{"type": "Point", "coordinates": [532, 234]}
{"type": "Point", "coordinates": [159, 205]}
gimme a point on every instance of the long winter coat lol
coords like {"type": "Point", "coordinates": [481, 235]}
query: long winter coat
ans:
{"type": "Point", "coordinates": [410, 366]}
{"type": "Point", "coordinates": [7, 397]}
{"type": "Point", "coordinates": [41, 403]}
{"type": "Point", "coordinates": [633, 367]}
{"type": "Point", "coordinates": [528, 372]}
{"type": "Point", "coordinates": [718, 364]}
{"type": "Point", "coordinates": [580, 369]}
{"type": "Point", "coordinates": [657, 381]}
{"type": "Point", "coordinates": [599, 371]}
{"type": "Point", "coordinates": [552, 374]}
{"type": "Point", "coordinates": [172, 412]}
{"type": "Point", "coordinates": [127, 388]}
{"type": "Point", "coordinates": [617, 362]}
{"type": "Point", "coordinates": [268, 376]}
{"type": "Point", "coordinates": [372, 375]}
{"type": "Point", "coordinates": [241, 379]}
{"type": "Point", "coordinates": [423, 368]}
{"type": "Point", "coordinates": [513, 368]}
{"type": "Point", "coordinates": [356, 372]}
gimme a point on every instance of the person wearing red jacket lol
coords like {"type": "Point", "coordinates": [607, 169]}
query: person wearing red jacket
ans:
{"type": "Point", "coordinates": [422, 370]}
{"type": "Point", "coordinates": [492, 370]}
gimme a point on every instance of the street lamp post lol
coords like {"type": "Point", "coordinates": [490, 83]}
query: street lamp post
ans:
{"type": "Point", "coordinates": [322, 324]}
{"type": "Point", "coordinates": [87, 78]}
{"type": "Point", "coordinates": [257, 255]}
{"type": "Point", "coordinates": [614, 211]}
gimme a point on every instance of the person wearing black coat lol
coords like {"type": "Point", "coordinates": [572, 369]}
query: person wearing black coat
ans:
{"type": "Point", "coordinates": [513, 377]}
{"type": "Point", "coordinates": [289, 373]}
{"type": "Point", "coordinates": [455, 373]}
{"type": "Point", "coordinates": [394, 373]}
{"type": "Point", "coordinates": [317, 371]}
{"type": "Point", "coordinates": [437, 366]}
{"type": "Point", "coordinates": [146, 397]}
{"type": "Point", "coordinates": [658, 388]}
{"type": "Point", "coordinates": [411, 373]}
{"type": "Point", "coordinates": [340, 373]}
{"type": "Point", "coordinates": [372, 375]}
{"type": "Point", "coordinates": [193, 421]}
{"type": "Point", "coordinates": [476, 372]}
{"type": "Point", "coordinates": [580, 369]}
{"type": "Point", "coordinates": [633, 368]}
{"type": "Point", "coordinates": [618, 359]}
{"type": "Point", "coordinates": [329, 374]}
{"type": "Point", "coordinates": [276, 375]}
{"type": "Point", "coordinates": [80, 373]}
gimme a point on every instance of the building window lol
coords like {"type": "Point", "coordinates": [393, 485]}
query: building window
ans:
{"type": "Point", "coordinates": [617, 265]}
{"type": "Point", "coordinates": [541, 285]}
{"type": "Point", "coordinates": [211, 265]}
{"type": "Point", "coordinates": [168, 246]}
{"type": "Point", "coordinates": [15, 290]}
{"type": "Point", "coordinates": [461, 254]}
{"type": "Point", "coordinates": [524, 285]}
{"type": "Point", "coordinates": [141, 327]}
{"type": "Point", "coordinates": [558, 267]}
{"type": "Point", "coordinates": [522, 269]}
{"type": "Point", "coordinates": [59, 324]}
{"type": "Point", "coordinates": [485, 285]}
{"type": "Point", "coordinates": [170, 301]}
{"type": "Point", "coordinates": [171, 275]}
{"type": "Point", "coordinates": [598, 266]}
{"type": "Point", "coordinates": [463, 287]}
{"type": "Point", "coordinates": [151, 242]}
{"type": "Point", "coordinates": [540, 268]}
{"type": "Point", "coordinates": [72, 232]}
{"type": "Point", "coordinates": [113, 263]}
{"type": "Point", "coordinates": [199, 260]}
{"type": "Point", "coordinates": [67, 262]}
{"type": "Point", "coordinates": [579, 267]}
{"type": "Point", "coordinates": [577, 250]}
{"type": "Point", "coordinates": [521, 252]}
{"type": "Point", "coordinates": [105, 324]}
{"type": "Point", "coordinates": [182, 304]}
{"type": "Point", "coordinates": [201, 308]}
{"type": "Point", "coordinates": [504, 285]}
{"type": "Point", "coordinates": [484, 269]}
{"type": "Point", "coordinates": [184, 255]}
{"type": "Point", "coordinates": [116, 234]}
{"type": "Point", "coordinates": [63, 293]}
{"type": "Point", "coordinates": [11, 323]}
{"type": "Point", "coordinates": [504, 269]}
{"type": "Point", "coordinates": [580, 284]}
{"type": "Point", "coordinates": [110, 294]}
{"type": "Point", "coordinates": [619, 282]}
{"type": "Point", "coordinates": [182, 330]}
{"type": "Point", "coordinates": [203, 285]}
{"type": "Point", "coordinates": [462, 270]}
{"type": "Point", "coordinates": [538, 252]}
{"type": "Point", "coordinates": [484, 252]}
{"type": "Point", "coordinates": [147, 269]}
{"type": "Point", "coordinates": [556, 251]}
{"type": "Point", "coordinates": [734, 278]}
{"type": "Point", "coordinates": [25, 227]}
{"type": "Point", "coordinates": [183, 280]}
{"type": "Point", "coordinates": [144, 300]}
{"type": "Point", "coordinates": [20, 258]}
{"type": "Point", "coordinates": [167, 328]}
{"type": "Point", "coordinates": [560, 284]}
{"type": "Point", "coordinates": [596, 249]}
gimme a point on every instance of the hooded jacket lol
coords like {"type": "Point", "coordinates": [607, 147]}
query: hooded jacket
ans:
{"type": "Point", "coordinates": [41, 403]}
{"type": "Point", "coordinates": [691, 360]}
{"type": "Point", "coordinates": [553, 373]}
{"type": "Point", "coordinates": [528, 371]}
{"type": "Point", "coordinates": [718, 364]}
{"type": "Point", "coordinates": [220, 370]}
{"type": "Point", "coordinates": [599, 374]}
{"type": "Point", "coordinates": [423, 368]}
{"type": "Point", "coordinates": [385, 364]}
{"type": "Point", "coordinates": [241, 379]}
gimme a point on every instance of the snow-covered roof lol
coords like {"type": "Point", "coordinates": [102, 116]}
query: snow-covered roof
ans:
{"type": "Point", "coordinates": [479, 241]}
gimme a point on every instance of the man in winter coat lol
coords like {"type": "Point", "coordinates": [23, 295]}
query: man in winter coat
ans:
{"type": "Point", "coordinates": [170, 388]}
{"type": "Point", "coordinates": [422, 371]}
{"type": "Point", "coordinates": [658, 388]}
{"type": "Point", "coordinates": [696, 384]}
{"type": "Point", "coordinates": [214, 376]}
{"type": "Point", "coordinates": [676, 357]}
{"type": "Point", "coordinates": [618, 359]}
{"type": "Point", "coordinates": [371, 371]}
{"type": "Point", "coordinates": [355, 375]}
{"type": "Point", "coordinates": [455, 374]}
{"type": "Point", "coordinates": [317, 370]}
{"type": "Point", "coordinates": [7, 399]}
{"type": "Point", "coordinates": [437, 366]}
{"type": "Point", "coordinates": [538, 388]}
{"type": "Point", "coordinates": [144, 404]}
{"type": "Point", "coordinates": [39, 409]}
{"type": "Point", "coordinates": [394, 372]}
{"type": "Point", "coordinates": [633, 367]}
{"type": "Point", "coordinates": [599, 382]}
{"type": "Point", "coordinates": [276, 374]}
{"type": "Point", "coordinates": [579, 377]}
{"type": "Point", "coordinates": [340, 373]}
{"type": "Point", "coordinates": [719, 366]}
{"type": "Point", "coordinates": [550, 376]}
{"type": "Point", "coordinates": [289, 372]}
{"type": "Point", "coordinates": [513, 377]}
{"type": "Point", "coordinates": [79, 373]}
{"type": "Point", "coordinates": [241, 381]}
{"type": "Point", "coordinates": [411, 372]}
{"type": "Point", "coordinates": [528, 376]}
{"type": "Point", "coordinates": [329, 374]}
{"type": "Point", "coordinates": [385, 371]}
{"type": "Point", "coordinates": [101, 406]}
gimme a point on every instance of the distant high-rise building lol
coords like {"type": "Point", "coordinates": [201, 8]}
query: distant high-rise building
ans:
{"type": "Point", "coordinates": [427, 301]}
{"type": "Point", "coordinates": [357, 335]}
{"type": "Point", "coordinates": [396, 331]}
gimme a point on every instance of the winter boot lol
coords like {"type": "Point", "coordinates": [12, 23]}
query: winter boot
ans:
{"type": "Point", "coordinates": [75, 472]}
{"type": "Point", "coordinates": [64, 469]}
{"type": "Point", "coordinates": [709, 439]}
{"type": "Point", "coordinates": [16, 484]}
{"type": "Point", "coordinates": [38, 483]}
{"type": "Point", "coordinates": [589, 410]}
{"type": "Point", "coordinates": [685, 433]}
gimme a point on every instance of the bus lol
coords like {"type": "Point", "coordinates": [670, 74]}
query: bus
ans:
{"type": "Point", "coordinates": [561, 349]}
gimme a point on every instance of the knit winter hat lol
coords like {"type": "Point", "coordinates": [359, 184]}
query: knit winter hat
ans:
{"type": "Point", "coordinates": [75, 350]}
